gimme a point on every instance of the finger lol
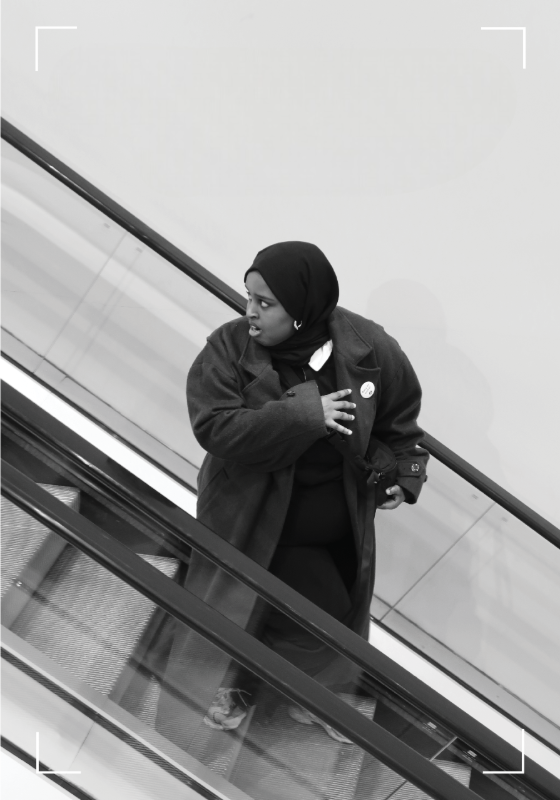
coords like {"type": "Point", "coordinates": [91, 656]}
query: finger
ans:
{"type": "Point", "coordinates": [343, 404]}
{"type": "Point", "coordinates": [337, 427]}
{"type": "Point", "coordinates": [342, 415]}
{"type": "Point", "coordinates": [389, 504]}
{"type": "Point", "coordinates": [340, 429]}
{"type": "Point", "coordinates": [341, 393]}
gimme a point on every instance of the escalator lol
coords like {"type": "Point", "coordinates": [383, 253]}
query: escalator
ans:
{"type": "Point", "coordinates": [91, 583]}
{"type": "Point", "coordinates": [92, 589]}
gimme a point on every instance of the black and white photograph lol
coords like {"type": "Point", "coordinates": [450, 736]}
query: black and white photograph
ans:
{"type": "Point", "coordinates": [280, 386]}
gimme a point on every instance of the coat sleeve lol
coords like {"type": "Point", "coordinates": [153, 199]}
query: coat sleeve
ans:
{"type": "Point", "coordinates": [264, 439]}
{"type": "Point", "coordinates": [396, 425]}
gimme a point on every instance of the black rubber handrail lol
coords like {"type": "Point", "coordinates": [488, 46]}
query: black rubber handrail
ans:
{"type": "Point", "coordinates": [228, 637]}
{"type": "Point", "coordinates": [234, 300]}
{"type": "Point", "coordinates": [492, 489]}
{"type": "Point", "coordinates": [89, 469]}
{"type": "Point", "coordinates": [151, 238]}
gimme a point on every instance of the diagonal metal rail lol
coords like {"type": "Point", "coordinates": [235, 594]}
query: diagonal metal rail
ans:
{"type": "Point", "coordinates": [237, 643]}
{"type": "Point", "coordinates": [151, 238]}
{"type": "Point", "coordinates": [90, 470]}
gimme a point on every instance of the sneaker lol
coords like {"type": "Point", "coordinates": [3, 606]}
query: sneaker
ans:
{"type": "Point", "coordinates": [300, 714]}
{"type": "Point", "coordinates": [227, 710]}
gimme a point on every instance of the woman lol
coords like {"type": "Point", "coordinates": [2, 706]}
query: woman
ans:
{"type": "Point", "coordinates": [287, 403]}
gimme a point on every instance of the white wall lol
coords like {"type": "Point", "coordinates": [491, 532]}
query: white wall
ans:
{"type": "Point", "coordinates": [403, 140]}
{"type": "Point", "coordinates": [19, 780]}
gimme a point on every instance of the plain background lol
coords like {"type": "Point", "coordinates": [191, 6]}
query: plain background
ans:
{"type": "Point", "coordinates": [411, 146]}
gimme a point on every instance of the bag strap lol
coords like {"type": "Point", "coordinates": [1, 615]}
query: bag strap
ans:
{"type": "Point", "coordinates": [359, 464]}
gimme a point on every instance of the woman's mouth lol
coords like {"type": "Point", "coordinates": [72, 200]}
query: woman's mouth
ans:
{"type": "Point", "coordinates": [254, 330]}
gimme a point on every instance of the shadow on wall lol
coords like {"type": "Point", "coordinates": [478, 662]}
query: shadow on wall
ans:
{"type": "Point", "coordinates": [457, 409]}
{"type": "Point", "coordinates": [457, 403]}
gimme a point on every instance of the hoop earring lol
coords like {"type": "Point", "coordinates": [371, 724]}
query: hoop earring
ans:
{"type": "Point", "coordinates": [296, 326]}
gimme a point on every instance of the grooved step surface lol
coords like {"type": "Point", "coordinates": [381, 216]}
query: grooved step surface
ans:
{"type": "Point", "coordinates": [146, 709]}
{"type": "Point", "coordinates": [285, 760]}
{"type": "Point", "coordinates": [22, 535]}
{"type": "Point", "coordinates": [86, 619]}
{"type": "Point", "coordinates": [219, 750]}
{"type": "Point", "coordinates": [379, 782]}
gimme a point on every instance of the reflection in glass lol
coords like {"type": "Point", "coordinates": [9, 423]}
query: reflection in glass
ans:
{"type": "Point", "coordinates": [120, 324]}
{"type": "Point", "coordinates": [105, 634]}
{"type": "Point", "coordinates": [169, 678]}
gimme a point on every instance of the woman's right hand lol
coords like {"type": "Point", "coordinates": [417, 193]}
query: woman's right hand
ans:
{"type": "Point", "coordinates": [333, 406]}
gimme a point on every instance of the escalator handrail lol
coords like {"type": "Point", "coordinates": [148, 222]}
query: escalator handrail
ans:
{"type": "Point", "coordinates": [492, 490]}
{"type": "Point", "coordinates": [88, 468]}
{"type": "Point", "coordinates": [234, 300]}
{"type": "Point", "coordinates": [237, 643]}
{"type": "Point", "coordinates": [148, 236]}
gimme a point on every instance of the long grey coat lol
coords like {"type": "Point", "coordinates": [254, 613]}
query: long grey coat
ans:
{"type": "Point", "coordinates": [253, 433]}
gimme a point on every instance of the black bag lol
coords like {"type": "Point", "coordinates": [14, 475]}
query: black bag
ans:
{"type": "Point", "coordinates": [383, 464]}
{"type": "Point", "coordinates": [379, 467]}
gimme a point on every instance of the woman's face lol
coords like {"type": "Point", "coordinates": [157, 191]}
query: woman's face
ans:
{"type": "Point", "coordinates": [269, 322]}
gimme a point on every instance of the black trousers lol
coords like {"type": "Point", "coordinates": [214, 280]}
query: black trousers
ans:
{"type": "Point", "coordinates": [323, 574]}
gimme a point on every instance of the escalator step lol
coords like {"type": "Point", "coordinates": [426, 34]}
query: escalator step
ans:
{"type": "Point", "coordinates": [377, 781]}
{"type": "Point", "coordinates": [282, 758]}
{"type": "Point", "coordinates": [86, 619]}
{"type": "Point", "coordinates": [89, 622]}
{"type": "Point", "coordinates": [146, 709]}
{"type": "Point", "coordinates": [22, 535]}
{"type": "Point", "coordinates": [217, 750]}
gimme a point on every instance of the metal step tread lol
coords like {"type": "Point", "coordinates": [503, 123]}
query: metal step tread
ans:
{"type": "Point", "coordinates": [86, 619]}
{"type": "Point", "coordinates": [22, 535]}
{"type": "Point", "coordinates": [379, 782]}
{"type": "Point", "coordinates": [283, 758]}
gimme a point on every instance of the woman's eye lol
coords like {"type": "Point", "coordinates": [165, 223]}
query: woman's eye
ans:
{"type": "Point", "coordinates": [264, 304]}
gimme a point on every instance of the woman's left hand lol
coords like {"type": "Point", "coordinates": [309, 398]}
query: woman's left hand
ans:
{"type": "Point", "coordinates": [396, 495]}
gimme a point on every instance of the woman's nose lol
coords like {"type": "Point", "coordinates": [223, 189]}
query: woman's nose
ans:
{"type": "Point", "coordinates": [251, 312]}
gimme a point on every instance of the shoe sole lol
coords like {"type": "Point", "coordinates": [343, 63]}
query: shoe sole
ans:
{"type": "Point", "coordinates": [218, 726]}
{"type": "Point", "coordinates": [307, 718]}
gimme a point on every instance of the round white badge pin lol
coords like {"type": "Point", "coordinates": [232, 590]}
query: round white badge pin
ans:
{"type": "Point", "coordinates": [367, 389]}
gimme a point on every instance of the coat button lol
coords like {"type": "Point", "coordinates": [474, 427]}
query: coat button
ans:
{"type": "Point", "coordinates": [415, 468]}
{"type": "Point", "coordinates": [291, 393]}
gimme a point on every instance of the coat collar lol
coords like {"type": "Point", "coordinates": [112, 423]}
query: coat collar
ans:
{"type": "Point", "coordinates": [349, 351]}
{"type": "Point", "coordinates": [254, 358]}
{"type": "Point", "coordinates": [349, 347]}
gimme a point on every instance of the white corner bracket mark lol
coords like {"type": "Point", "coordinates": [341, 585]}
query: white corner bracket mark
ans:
{"type": "Point", "coordinates": [514, 772]}
{"type": "Point", "coordinates": [49, 771]}
{"type": "Point", "coordinates": [524, 40]}
{"type": "Point", "coordinates": [48, 28]}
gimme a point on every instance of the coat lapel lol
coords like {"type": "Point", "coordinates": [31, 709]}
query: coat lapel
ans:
{"type": "Point", "coordinates": [353, 362]}
{"type": "Point", "coordinates": [349, 351]}
{"type": "Point", "coordinates": [266, 384]}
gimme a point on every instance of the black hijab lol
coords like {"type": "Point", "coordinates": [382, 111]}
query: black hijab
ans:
{"type": "Point", "coordinates": [300, 276]}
